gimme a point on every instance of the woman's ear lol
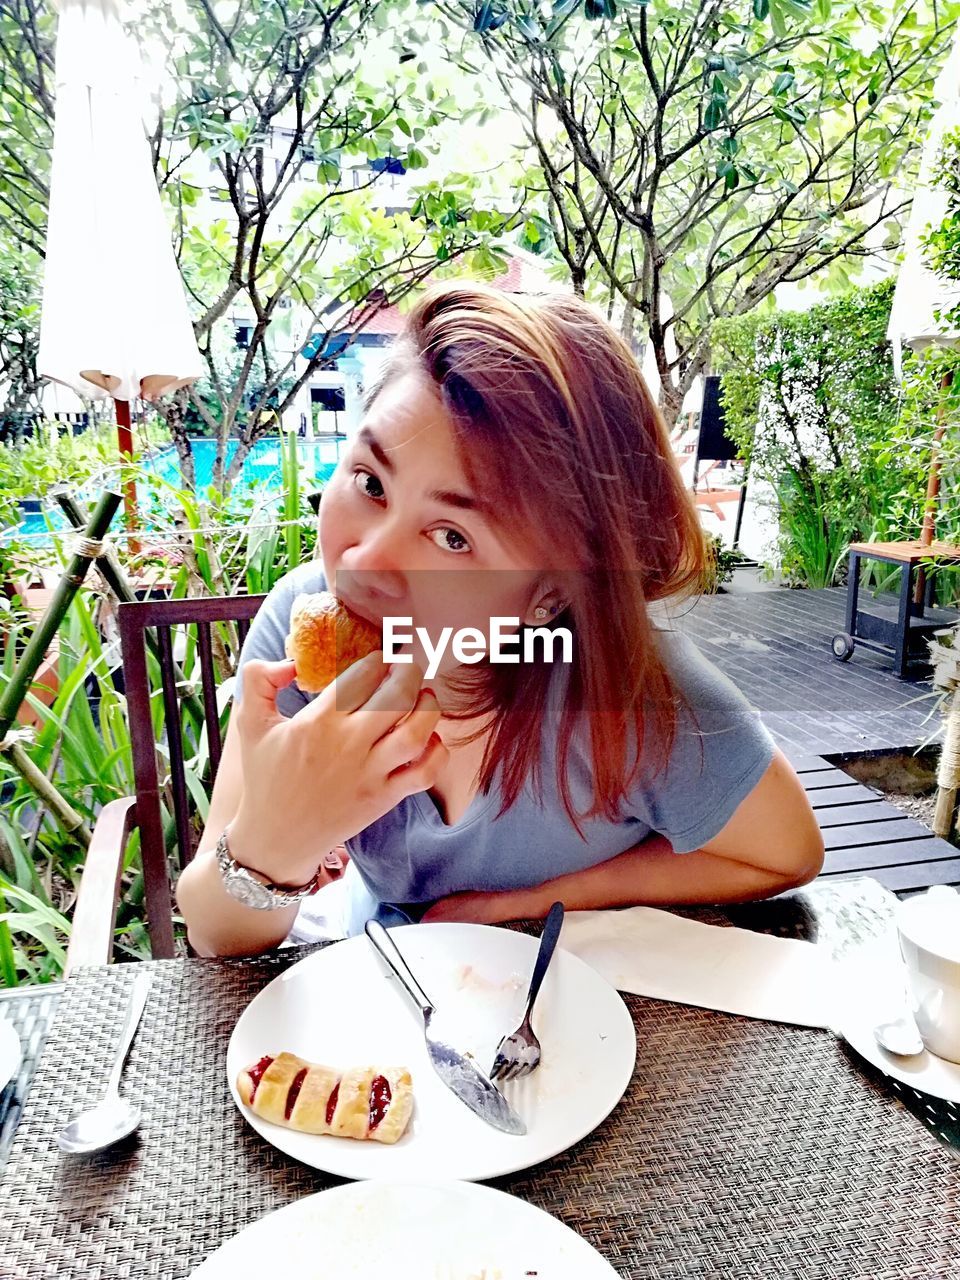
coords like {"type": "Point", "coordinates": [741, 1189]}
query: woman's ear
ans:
{"type": "Point", "coordinates": [544, 609]}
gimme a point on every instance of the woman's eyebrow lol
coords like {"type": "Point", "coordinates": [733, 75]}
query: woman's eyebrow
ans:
{"type": "Point", "coordinates": [449, 497]}
{"type": "Point", "coordinates": [366, 436]}
{"type": "Point", "coordinates": [452, 498]}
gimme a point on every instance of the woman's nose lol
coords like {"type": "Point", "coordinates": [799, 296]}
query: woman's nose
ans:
{"type": "Point", "coordinates": [374, 564]}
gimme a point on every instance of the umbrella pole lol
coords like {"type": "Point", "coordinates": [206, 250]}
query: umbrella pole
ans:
{"type": "Point", "coordinates": [933, 485]}
{"type": "Point", "coordinates": [125, 442]}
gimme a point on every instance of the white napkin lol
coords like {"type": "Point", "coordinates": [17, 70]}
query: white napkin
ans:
{"type": "Point", "coordinates": [655, 953]}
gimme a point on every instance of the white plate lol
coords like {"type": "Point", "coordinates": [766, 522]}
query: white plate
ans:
{"type": "Point", "coordinates": [872, 986]}
{"type": "Point", "coordinates": [10, 1052]}
{"type": "Point", "coordinates": [407, 1231]}
{"type": "Point", "coordinates": [342, 1006]}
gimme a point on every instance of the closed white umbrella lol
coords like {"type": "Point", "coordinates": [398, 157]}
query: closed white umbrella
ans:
{"type": "Point", "coordinates": [114, 320]}
{"type": "Point", "coordinates": [920, 294]}
{"type": "Point", "coordinates": [921, 297]}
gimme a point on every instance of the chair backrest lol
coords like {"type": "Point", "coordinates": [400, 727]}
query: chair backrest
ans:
{"type": "Point", "coordinates": [147, 628]}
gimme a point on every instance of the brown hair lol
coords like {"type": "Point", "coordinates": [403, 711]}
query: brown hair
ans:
{"type": "Point", "coordinates": [557, 427]}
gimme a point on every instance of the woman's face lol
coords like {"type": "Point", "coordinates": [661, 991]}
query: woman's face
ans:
{"type": "Point", "coordinates": [402, 535]}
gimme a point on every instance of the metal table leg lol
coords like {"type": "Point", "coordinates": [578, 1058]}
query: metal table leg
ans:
{"type": "Point", "coordinates": [902, 655]}
{"type": "Point", "coordinates": [853, 591]}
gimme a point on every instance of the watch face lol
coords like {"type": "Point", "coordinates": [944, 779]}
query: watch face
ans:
{"type": "Point", "coordinates": [246, 890]}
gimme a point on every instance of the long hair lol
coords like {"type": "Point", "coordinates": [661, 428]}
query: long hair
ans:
{"type": "Point", "coordinates": [556, 427]}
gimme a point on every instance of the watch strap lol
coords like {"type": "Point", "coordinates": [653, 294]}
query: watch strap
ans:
{"type": "Point", "coordinates": [275, 895]}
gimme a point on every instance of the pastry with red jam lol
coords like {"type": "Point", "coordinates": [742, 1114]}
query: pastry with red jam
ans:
{"type": "Point", "coordinates": [372, 1103]}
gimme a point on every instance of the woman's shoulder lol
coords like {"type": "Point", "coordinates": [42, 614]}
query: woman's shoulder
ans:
{"type": "Point", "coordinates": [271, 625]}
{"type": "Point", "coordinates": [305, 578]}
{"type": "Point", "coordinates": [720, 751]}
{"type": "Point", "coordinates": [699, 682]}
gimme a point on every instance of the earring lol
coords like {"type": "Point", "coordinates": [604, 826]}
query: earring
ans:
{"type": "Point", "coordinates": [540, 613]}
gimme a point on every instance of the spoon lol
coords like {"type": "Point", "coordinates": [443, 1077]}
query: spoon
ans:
{"type": "Point", "coordinates": [113, 1118]}
{"type": "Point", "coordinates": [899, 1036]}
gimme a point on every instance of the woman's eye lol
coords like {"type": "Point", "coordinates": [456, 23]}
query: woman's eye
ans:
{"type": "Point", "coordinates": [450, 540]}
{"type": "Point", "coordinates": [369, 485]}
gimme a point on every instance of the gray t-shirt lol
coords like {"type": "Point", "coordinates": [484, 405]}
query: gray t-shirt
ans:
{"type": "Point", "coordinates": [410, 857]}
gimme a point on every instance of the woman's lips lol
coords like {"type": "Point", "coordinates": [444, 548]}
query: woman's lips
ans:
{"type": "Point", "coordinates": [365, 609]}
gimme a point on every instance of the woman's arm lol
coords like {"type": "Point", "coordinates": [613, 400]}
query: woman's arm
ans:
{"type": "Point", "coordinates": [218, 925]}
{"type": "Point", "coordinates": [293, 789]}
{"type": "Point", "coordinates": [772, 843]}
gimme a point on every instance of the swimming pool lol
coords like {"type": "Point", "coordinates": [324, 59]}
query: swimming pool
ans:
{"type": "Point", "coordinates": [260, 476]}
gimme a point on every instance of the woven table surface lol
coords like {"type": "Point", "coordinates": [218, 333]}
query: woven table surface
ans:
{"type": "Point", "coordinates": [741, 1148]}
{"type": "Point", "coordinates": [29, 1011]}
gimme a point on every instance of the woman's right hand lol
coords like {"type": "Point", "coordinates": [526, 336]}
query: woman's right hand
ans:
{"type": "Point", "coordinates": [313, 780]}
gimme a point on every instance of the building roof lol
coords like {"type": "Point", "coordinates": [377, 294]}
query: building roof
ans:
{"type": "Point", "coordinates": [524, 274]}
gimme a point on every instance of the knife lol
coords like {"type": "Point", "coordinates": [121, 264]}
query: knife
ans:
{"type": "Point", "coordinates": [458, 1072]}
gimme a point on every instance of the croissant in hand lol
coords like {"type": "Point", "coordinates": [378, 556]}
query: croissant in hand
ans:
{"type": "Point", "coordinates": [325, 638]}
{"type": "Point", "coordinates": [363, 1102]}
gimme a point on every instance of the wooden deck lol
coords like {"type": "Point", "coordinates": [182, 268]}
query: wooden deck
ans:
{"type": "Point", "coordinates": [866, 835]}
{"type": "Point", "coordinates": [775, 646]}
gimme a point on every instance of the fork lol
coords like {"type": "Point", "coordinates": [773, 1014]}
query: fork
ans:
{"type": "Point", "coordinates": [519, 1053]}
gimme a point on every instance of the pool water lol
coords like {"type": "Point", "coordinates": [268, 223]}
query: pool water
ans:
{"type": "Point", "coordinates": [261, 475]}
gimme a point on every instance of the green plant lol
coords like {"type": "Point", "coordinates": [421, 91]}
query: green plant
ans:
{"type": "Point", "coordinates": [723, 561]}
{"type": "Point", "coordinates": [82, 741]}
{"type": "Point", "coordinates": [53, 455]}
{"type": "Point", "coordinates": [943, 241]}
{"type": "Point", "coordinates": [814, 529]}
{"type": "Point", "coordinates": [811, 401]}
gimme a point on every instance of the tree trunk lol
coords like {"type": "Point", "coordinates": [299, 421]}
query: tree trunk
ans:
{"type": "Point", "coordinates": [173, 416]}
{"type": "Point", "coordinates": [236, 464]}
{"type": "Point", "coordinates": [671, 402]}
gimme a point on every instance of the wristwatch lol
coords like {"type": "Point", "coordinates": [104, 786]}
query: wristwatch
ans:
{"type": "Point", "coordinates": [252, 890]}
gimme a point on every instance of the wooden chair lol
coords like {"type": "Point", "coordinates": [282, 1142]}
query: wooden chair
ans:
{"type": "Point", "coordinates": [91, 940]}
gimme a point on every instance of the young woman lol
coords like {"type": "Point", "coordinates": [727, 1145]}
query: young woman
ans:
{"type": "Point", "coordinates": [510, 464]}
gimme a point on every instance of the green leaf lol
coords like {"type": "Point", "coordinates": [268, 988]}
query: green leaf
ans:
{"type": "Point", "coordinates": [783, 82]}
{"type": "Point", "coordinates": [727, 170]}
{"type": "Point", "coordinates": [760, 9]}
{"type": "Point", "coordinates": [561, 12]}
{"type": "Point", "coordinates": [8, 963]}
{"type": "Point", "coordinates": [792, 113]}
{"type": "Point", "coordinates": [714, 114]}
{"type": "Point", "coordinates": [528, 27]}
{"type": "Point", "coordinates": [778, 19]}
{"type": "Point", "coordinates": [489, 17]}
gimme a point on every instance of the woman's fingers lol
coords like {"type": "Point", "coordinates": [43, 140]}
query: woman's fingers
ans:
{"type": "Point", "coordinates": [421, 773]}
{"type": "Point", "coordinates": [262, 681]}
{"type": "Point", "coordinates": [405, 741]}
{"type": "Point", "coordinates": [394, 700]}
{"type": "Point", "coordinates": [353, 687]}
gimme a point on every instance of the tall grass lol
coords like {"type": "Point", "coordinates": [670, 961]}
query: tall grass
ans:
{"type": "Point", "coordinates": [82, 740]}
{"type": "Point", "coordinates": [814, 529]}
